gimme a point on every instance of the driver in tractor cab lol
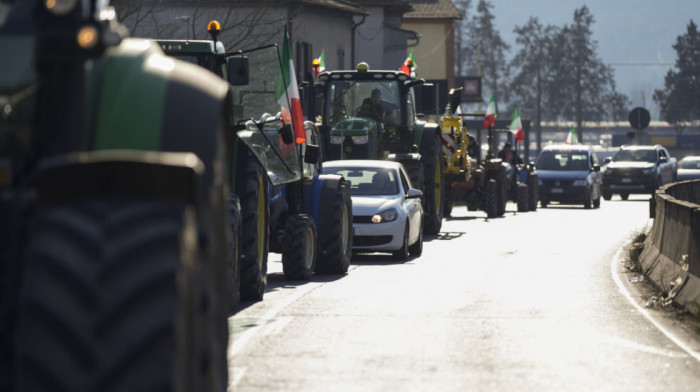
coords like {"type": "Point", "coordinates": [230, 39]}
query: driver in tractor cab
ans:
{"type": "Point", "coordinates": [368, 110]}
{"type": "Point", "coordinates": [507, 155]}
{"type": "Point", "coordinates": [384, 109]}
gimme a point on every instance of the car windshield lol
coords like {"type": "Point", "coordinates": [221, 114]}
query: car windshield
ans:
{"type": "Point", "coordinates": [367, 181]}
{"type": "Point", "coordinates": [635, 156]}
{"type": "Point", "coordinates": [563, 160]}
{"type": "Point", "coordinates": [689, 164]}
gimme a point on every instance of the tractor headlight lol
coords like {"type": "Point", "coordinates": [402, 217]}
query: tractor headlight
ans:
{"type": "Point", "coordinates": [60, 7]}
{"type": "Point", "coordinates": [580, 182]}
{"type": "Point", "coordinates": [385, 216]}
{"type": "Point", "coordinates": [360, 139]}
{"type": "Point", "coordinates": [337, 139]}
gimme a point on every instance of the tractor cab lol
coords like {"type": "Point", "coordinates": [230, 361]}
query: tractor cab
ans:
{"type": "Point", "coordinates": [367, 114]}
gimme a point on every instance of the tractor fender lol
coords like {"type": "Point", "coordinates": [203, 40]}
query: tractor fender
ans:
{"type": "Point", "coordinates": [147, 101]}
{"type": "Point", "coordinates": [319, 196]}
{"type": "Point", "coordinates": [166, 175]}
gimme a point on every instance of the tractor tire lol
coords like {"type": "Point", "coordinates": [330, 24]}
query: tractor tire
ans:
{"type": "Point", "coordinates": [402, 253]}
{"type": "Point", "coordinates": [533, 191]}
{"type": "Point", "coordinates": [299, 247]}
{"type": "Point", "coordinates": [447, 202]}
{"type": "Point", "coordinates": [522, 198]}
{"type": "Point", "coordinates": [255, 233]}
{"type": "Point", "coordinates": [491, 199]}
{"type": "Point", "coordinates": [501, 191]}
{"type": "Point", "coordinates": [433, 186]}
{"type": "Point", "coordinates": [414, 169]}
{"type": "Point", "coordinates": [113, 298]}
{"type": "Point", "coordinates": [234, 270]}
{"type": "Point", "coordinates": [335, 234]}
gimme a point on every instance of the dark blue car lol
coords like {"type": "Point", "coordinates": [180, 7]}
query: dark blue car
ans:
{"type": "Point", "coordinates": [569, 174]}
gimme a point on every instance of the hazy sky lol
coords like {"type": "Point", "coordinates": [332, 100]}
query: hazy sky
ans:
{"type": "Point", "coordinates": [632, 35]}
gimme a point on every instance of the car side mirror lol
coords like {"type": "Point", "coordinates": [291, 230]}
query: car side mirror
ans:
{"type": "Point", "coordinates": [238, 71]}
{"type": "Point", "coordinates": [414, 193]}
{"type": "Point", "coordinates": [663, 159]}
{"type": "Point", "coordinates": [607, 160]}
{"type": "Point", "coordinates": [311, 154]}
{"type": "Point", "coordinates": [596, 168]}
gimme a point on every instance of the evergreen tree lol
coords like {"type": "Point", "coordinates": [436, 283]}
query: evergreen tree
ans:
{"type": "Point", "coordinates": [462, 49]}
{"type": "Point", "coordinates": [680, 99]}
{"type": "Point", "coordinates": [492, 48]}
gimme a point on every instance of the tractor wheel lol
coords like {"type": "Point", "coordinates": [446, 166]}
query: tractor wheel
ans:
{"type": "Point", "coordinates": [447, 201]}
{"type": "Point", "coordinates": [491, 199]}
{"type": "Point", "coordinates": [402, 253]}
{"type": "Point", "coordinates": [299, 247]}
{"type": "Point", "coordinates": [414, 169]}
{"type": "Point", "coordinates": [255, 233]}
{"type": "Point", "coordinates": [431, 159]}
{"type": "Point", "coordinates": [335, 234]}
{"type": "Point", "coordinates": [112, 298]}
{"type": "Point", "coordinates": [533, 191]}
{"type": "Point", "coordinates": [522, 197]}
{"type": "Point", "coordinates": [234, 270]}
{"type": "Point", "coordinates": [502, 191]}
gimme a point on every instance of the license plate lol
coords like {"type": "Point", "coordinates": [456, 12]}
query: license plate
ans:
{"type": "Point", "coordinates": [626, 180]}
{"type": "Point", "coordinates": [557, 190]}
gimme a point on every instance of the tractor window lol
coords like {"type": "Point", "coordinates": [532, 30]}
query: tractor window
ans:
{"type": "Point", "coordinates": [376, 100]}
{"type": "Point", "coordinates": [410, 110]}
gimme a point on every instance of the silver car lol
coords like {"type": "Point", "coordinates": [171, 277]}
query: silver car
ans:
{"type": "Point", "coordinates": [387, 210]}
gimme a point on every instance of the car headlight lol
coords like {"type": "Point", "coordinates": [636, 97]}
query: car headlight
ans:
{"type": "Point", "coordinates": [580, 183]}
{"type": "Point", "coordinates": [360, 139]}
{"type": "Point", "coordinates": [337, 139]}
{"type": "Point", "coordinates": [385, 216]}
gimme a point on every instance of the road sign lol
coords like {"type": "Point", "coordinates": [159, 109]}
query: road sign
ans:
{"type": "Point", "coordinates": [639, 118]}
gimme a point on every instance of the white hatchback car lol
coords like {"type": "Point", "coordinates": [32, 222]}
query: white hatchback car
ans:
{"type": "Point", "coordinates": [387, 210]}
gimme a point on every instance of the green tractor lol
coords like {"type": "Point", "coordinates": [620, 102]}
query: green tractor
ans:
{"type": "Point", "coordinates": [368, 114]}
{"type": "Point", "coordinates": [116, 262]}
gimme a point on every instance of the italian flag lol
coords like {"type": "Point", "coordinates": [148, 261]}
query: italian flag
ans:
{"type": "Point", "coordinates": [321, 63]}
{"type": "Point", "coordinates": [490, 118]}
{"type": "Point", "coordinates": [572, 138]}
{"type": "Point", "coordinates": [287, 93]}
{"type": "Point", "coordinates": [516, 126]}
{"type": "Point", "coordinates": [409, 66]}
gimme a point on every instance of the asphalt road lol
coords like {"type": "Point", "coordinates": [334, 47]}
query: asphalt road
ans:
{"type": "Point", "coordinates": [529, 302]}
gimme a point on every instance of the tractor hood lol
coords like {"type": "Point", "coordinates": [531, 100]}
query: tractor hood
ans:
{"type": "Point", "coordinates": [355, 126]}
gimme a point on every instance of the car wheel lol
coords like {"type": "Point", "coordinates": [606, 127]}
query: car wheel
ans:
{"type": "Point", "coordinates": [624, 196]}
{"type": "Point", "coordinates": [402, 253]}
{"type": "Point", "coordinates": [417, 248]}
{"type": "Point", "coordinates": [607, 195]}
{"type": "Point", "coordinates": [587, 202]}
{"type": "Point", "coordinates": [596, 202]}
{"type": "Point", "coordinates": [544, 203]}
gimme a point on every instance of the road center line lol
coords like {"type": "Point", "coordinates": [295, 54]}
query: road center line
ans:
{"type": "Point", "coordinates": [616, 261]}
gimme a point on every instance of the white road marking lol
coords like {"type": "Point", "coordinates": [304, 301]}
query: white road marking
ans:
{"type": "Point", "coordinates": [617, 259]}
{"type": "Point", "coordinates": [636, 346]}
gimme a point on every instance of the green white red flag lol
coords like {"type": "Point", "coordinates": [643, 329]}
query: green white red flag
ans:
{"type": "Point", "coordinates": [490, 118]}
{"type": "Point", "coordinates": [321, 60]}
{"type": "Point", "coordinates": [516, 126]}
{"type": "Point", "coordinates": [572, 138]}
{"type": "Point", "coordinates": [409, 65]}
{"type": "Point", "coordinates": [287, 93]}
